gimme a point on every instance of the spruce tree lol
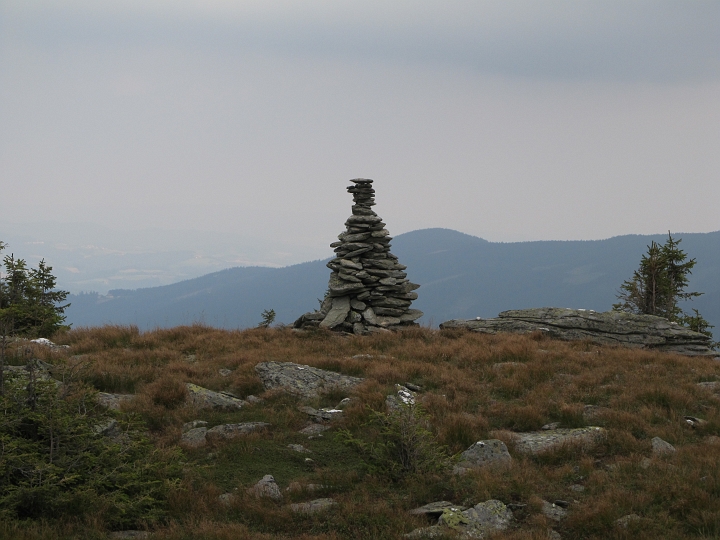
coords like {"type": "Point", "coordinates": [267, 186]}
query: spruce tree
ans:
{"type": "Point", "coordinates": [30, 305]}
{"type": "Point", "coordinates": [659, 284]}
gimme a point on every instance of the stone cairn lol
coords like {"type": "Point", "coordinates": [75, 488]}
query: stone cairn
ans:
{"type": "Point", "coordinates": [368, 290]}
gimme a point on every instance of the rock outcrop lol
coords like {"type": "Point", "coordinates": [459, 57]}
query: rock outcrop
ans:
{"type": "Point", "coordinates": [477, 522]}
{"type": "Point", "coordinates": [368, 289]}
{"type": "Point", "coordinates": [606, 328]}
{"type": "Point", "coordinates": [304, 381]}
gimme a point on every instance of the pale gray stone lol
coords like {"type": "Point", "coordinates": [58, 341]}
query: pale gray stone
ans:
{"type": "Point", "coordinates": [480, 520]}
{"type": "Point", "coordinates": [662, 448]}
{"type": "Point", "coordinates": [187, 426]}
{"type": "Point", "coordinates": [553, 511]}
{"type": "Point", "coordinates": [299, 448]}
{"type": "Point", "coordinates": [411, 315]}
{"type": "Point", "coordinates": [609, 328]}
{"type": "Point", "coordinates": [231, 431]}
{"type": "Point", "coordinates": [339, 287]}
{"type": "Point", "coordinates": [489, 453]}
{"type": "Point", "coordinates": [384, 322]}
{"type": "Point", "coordinates": [713, 386]}
{"type": "Point", "coordinates": [540, 441]}
{"type": "Point", "coordinates": [313, 507]}
{"type": "Point", "coordinates": [369, 316]}
{"type": "Point", "coordinates": [436, 509]}
{"type": "Point", "coordinates": [114, 401]}
{"type": "Point", "coordinates": [194, 438]}
{"type": "Point", "coordinates": [321, 415]}
{"type": "Point", "coordinates": [314, 429]}
{"type": "Point", "coordinates": [338, 312]}
{"type": "Point", "coordinates": [305, 381]}
{"type": "Point", "coordinates": [357, 305]}
{"type": "Point", "coordinates": [208, 399]}
{"type": "Point", "coordinates": [625, 521]}
{"type": "Point", "coordinates": [266, 487]}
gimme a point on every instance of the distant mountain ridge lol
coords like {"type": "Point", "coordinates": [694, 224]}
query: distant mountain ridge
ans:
{"type": "Point", "coordinates": [461, 276]}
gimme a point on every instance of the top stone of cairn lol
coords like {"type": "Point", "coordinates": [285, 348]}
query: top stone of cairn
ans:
{"type": "Point", "coordinates": [368, 289]}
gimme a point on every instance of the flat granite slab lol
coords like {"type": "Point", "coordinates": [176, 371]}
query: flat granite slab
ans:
{"type": "Point", "coordinates": [605, 328]}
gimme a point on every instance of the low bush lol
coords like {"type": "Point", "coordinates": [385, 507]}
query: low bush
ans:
{"type": "Point", "coordinates": [63, 456]}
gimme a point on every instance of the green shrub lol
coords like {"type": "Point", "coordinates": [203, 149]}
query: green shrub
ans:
{"type": "Point", "coordinates": [62, 456]}
{"type": "Point", "coordinates": [401, 443]}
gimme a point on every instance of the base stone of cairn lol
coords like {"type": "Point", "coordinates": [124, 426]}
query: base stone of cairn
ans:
{"type": "Point", "coordinates": [368, 289]}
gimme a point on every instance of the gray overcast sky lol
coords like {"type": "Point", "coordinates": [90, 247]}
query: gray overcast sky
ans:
{"type": "Point", "coordinates": [504, 119]}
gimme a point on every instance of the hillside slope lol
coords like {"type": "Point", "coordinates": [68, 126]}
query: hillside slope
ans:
{"type": "Point", "coordinates": [461, 276]}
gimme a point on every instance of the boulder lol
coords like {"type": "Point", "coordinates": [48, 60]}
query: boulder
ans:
{"type": "Point", "coordinates": [490, 453]}
{"type": "Point", "coordinates": [534, 442]}
{"type": "Point", "coordinates": [194, 438]}
{"type": "Point", "coordinates": [208, 399]}
{"type": "Point", "coordinates": [480, 520]}
{"type": "Point", "coordinates": [553, 511]}
{"type": "Point", "coordinates": [313, 507]}
{"type": "Point", "coordinates": [266, 487]}
{"type": "Point", "coordinates": [662, 448]}
{"type": "Point", "coordinates": [606, 328]}
{"type": "Point", "coordinates": [304, 381]}
{"type": "Point", "coordinates": [113, 401]}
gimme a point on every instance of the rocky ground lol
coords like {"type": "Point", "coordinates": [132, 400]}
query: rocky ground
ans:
{"type": "Point", "coordinates": [284, 433]}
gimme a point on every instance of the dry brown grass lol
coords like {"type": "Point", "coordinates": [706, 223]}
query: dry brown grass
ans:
{"type": "Point", "coordinates": [475, 386]}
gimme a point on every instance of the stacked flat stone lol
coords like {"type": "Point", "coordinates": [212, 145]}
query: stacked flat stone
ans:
{"type": "Point", "coordinates": [368, 289]}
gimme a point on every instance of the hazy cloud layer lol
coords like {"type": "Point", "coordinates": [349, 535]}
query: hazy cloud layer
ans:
{"type": "Point", "coordinates": [506, 120]}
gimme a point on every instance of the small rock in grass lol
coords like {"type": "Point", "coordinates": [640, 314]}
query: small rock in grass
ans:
{"type": "Point", "coordinates": [254, 399]}
{"type": "Point", "coordinates": [230, 431]}
{"type": "Point", "coordinates": [113, 401]}
{"type": "Point", "coordinates": [662, 448]}
{"type": "Point", "coordinates": [694, 422]}
{"type": "Point", "coordinates": [194, 438]}
{"type": "Point", "coordinates": [436, 508]}
{"type": "Point", "coordinates": [534, 442]}
{"type": "Point", "coordinates": [208, 399]}
{"type": "Point", "coordinates": [194, 424]}
{"type": "Point", "coordinates": [266, 487]}
{"type": "Point", "coordinates": [553, 425]}
{"type": "Point", "coordinates": [492, 452]}
{"type": "Point", "coordinates": [553, 511]}
{"type": "Point", "coordinates": [577, 488]}
{"type": "Point", "coordinates": [225, 372]}
{"type": "Point", "coordinates": [314, 429]}
{"type": "Point", "coordinates": [299, 448]}
{"type": "Point", "coordinates": [480, 520]}
{"type": "Point", "coordinates": [312, 507]}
